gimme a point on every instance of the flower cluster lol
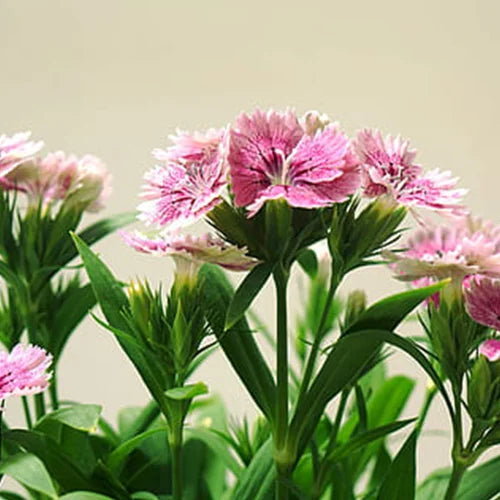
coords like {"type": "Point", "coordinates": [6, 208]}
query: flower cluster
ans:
{"type": "Point", "coordinates": [77, 182]}
{"type": "Point", "coordinates": [307, 162]}
{"type": "Point", "coordinates": [24, 371]}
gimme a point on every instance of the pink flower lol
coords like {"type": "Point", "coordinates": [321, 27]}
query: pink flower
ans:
{"type": "Point", "coordinates": [207, 248]}
{"type": "Point", "coordinates": [389, 169]}
{"type": "Point", "coordinates": [466, 248]}
{"type": "Point", "coordinates": [188, 183]}
{"type": "Point", "coordinates": [16, 150]}
{"type": "Point", "coordinates": [272, 156]}
{"type": "Point", "coordinates": [24, 371]}
{"type": "Point", "coordinates": [482, 301]}
{"type": "Point", "coordinates": [81, 182]}
{"type": "Point", "coordinates": [490, 349]}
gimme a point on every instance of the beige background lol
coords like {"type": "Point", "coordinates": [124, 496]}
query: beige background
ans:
{"type": "Point", "coordinates": [114, 78]}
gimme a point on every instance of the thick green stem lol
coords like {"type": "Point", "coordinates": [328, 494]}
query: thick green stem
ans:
{"type": "Point", "coordinates": [456, 476]}
{"type": "Point", "coordinates": [39, 406]}
{"type": "Point", "coordinates": [54, 400]}
{"type": "Point", "coordinates": [175, 442]}
{"type": "Point", "coordinates": [282, 461]}
{"type": "Point", "coordinates": [27, 412]}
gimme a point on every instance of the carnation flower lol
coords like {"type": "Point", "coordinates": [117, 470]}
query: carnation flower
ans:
{"type": "Point", "coordinates": [16, 150]}
{"type": "Point", "coordinates": [24, 371]}
{"type": "Point", "coordinates": [189, 181]}
{"type": "Point", "coordinates": [482, 301]}
{"type": "Point", "coordinates": [490, 349]}
{"type": "Point", "coordinates": [272, 156]}
{"type": "Point", "coordinates": [389, 168]}
{"type": "Point", "coordinates": [84, 182]}
{"type": "Point", "coordinates": [206, 248]}
{"type": "Point", "coordinates": [467, 248]}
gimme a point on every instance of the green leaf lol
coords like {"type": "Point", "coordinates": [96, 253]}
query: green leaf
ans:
{"type": "Point", "coordinates": [187, 392]}
{"type": "Point", "coordinates": [341, 368]}
{"type": "Point", "coordinates": [360, 440]}
{"type": "Point", "coordinates": [143, 495]}
{"type": "Point", "coordinates": [237, 343]}
{"type": "Point", "coordinates": [78, 416]}
{"type": "Point", "coordinates": [390, 311]}
{"type": "Point", "coordinates": [400, 479]}
{"type": "Point", "coordinates": [117, 458]}
{"type": "Point", "coordinates": [217, 445]}
{"type": "Point", "coordinates": [9, 495]}
{"type": "Point", "coordinates": [84, 495]}
{"type": "Point", "coordinates": [29, 470]}
{"type": "Point", "coordinates": [246, 292]}
{"type": "Point", "coordinates": [257, 480]}
{"type": "Point", "coordinates": [308, 261]}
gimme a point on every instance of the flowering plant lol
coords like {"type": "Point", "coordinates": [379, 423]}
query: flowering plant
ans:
{"type": "Point", "coordinates": [273, 187]}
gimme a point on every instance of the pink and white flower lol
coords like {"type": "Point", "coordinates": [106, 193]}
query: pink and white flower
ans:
{"type": "Point", "coordinates": [199, 249]}
{"type": "Point", "coordinates": [389, 168]}
{"type": "Point", "coordinates": [189, 181]}
{"type": "Point", "coordinates": [83, 182]}
{"type": "Point", "coordinates": [273, 156]}
{"type": "Point", "coordinates": [16, 150]}
{"type": "Point", "coordinates": [468, 247]}
{"type": "Point", "coordinates": [24, 371]}
{"type": "Point", "coordinates": [482, 301]}
{"type": "Point", "coordinates": [490, 349]}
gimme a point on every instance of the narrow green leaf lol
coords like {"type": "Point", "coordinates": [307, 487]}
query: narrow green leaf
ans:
{"type": "Point", "coordinates": [257, 480]}
{"type": "Point", "coordinates": [117, 458]}
{"type": "Point", "coordinates": [390, 311]}
{"type": "Point", "coordinates": [365, 438]}
{"type": "Point", "coordinates": [482, 482]}
{"type": "Point", "coordinates": [10, 495]}
{"type": "Point", "coordinates": [84, 495]}
{"type": "Point", "coordinates": [308, 261]}
{"type": "Point", "coordinates": [246, 292]}
{"type": "Point", "coordinates": [237, 343]}
{"type": "Point", "coordinates": [28, 470]}
{"type": "Point", "coordinates": [143, 495]}
{"type": "Point", "coordinates": [78, 416]}
{"type": "Point", "coordinates": [187, 392]}
{"type": "Point", "coordinates": [399, 482]}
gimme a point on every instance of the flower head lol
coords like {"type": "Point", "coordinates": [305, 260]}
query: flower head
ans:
{"type": "Point", "coordinates": [24, 371]}
{"type": "Point", "coordinates": [389, 168]}
{"type": "Point", "coordinates": [189, 181]}
{"type": "Point", "coordinates": [482, 301]}
{"type": "Point", "coordinates": [466, 248]}
{"type": "Point", "coordinates": [16, 150]}
{"type": "Point", "coordinates": [272, 156]}
{"type": "Point", "coordinates": [490, 349]}
{"type": "Point", "coordinates": [60, 177]}
{"type": "Point", "coordinates": [206, 248]}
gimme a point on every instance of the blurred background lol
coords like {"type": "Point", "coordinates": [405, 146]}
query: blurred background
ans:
{"type": "Point", "coordinates": [115, 78]}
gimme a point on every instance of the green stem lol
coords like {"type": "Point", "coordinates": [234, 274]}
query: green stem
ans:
{"type": "Point", "coordinates": [54, 399]}
{"type": "Point", "coordinates": [311, 360]}
{"type": "Point", "coordinates": [176, 450]}
{"type": "Point", "coordinates": [456, 476]}
{"type": "Point", "coordinates": [39, 406]}
{"type": "Point", "coordinates": [429, 397]}
{"type": "Point", "coordinates": [282, 461]}
{"type": "Point", "coordinates": [27, 412]}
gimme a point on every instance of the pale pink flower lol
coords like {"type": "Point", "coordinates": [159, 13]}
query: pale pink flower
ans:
{"type": "Point", "coordinates": [24, 371]}
{"type": "Point", "coordinates": [189, 181]}
{"type": "Point", "coordinates": [482, 301]}
{"type": "Point", "coordinates": [15, 150]}
{"type": "Point", "coordinates": [200, 249]}
{"type": "Point", "coordinates": [389, 168]}
{"type": "Point", "coordinates": [83, 182]}
{"type": "Point", "coordinates": [272, 156]}
{"type": "Point", "coordinates": [466, 248]}
{"type": "Point", "coordinates": [490, 349]}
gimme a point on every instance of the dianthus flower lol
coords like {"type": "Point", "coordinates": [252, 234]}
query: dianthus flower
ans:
{"type": "Point", "coordinates": [24, 371]}
{"type": "Point", "coordinates": [59, 177]}
{"type": "Point", "coordinates": [467, 248]}
{"type": "Point", "coordinates": [482, 301]}
{"type": "Point", "coordinates": [16, 150]}
{"type": "Point", "coordinates": [389, 168]}
{"type": "Point", "coordinates": [188, 182]}
{"type": "Point", "coordinates": [199, 249]}
{"type": "Point", "coordinates": [490, 349]}
{"type": "Point", "coordinates": [273, 155]}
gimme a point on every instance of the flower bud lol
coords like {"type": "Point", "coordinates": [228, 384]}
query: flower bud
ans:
{"type": "Point", "coordinates": [480, 389]}
{"type": "Point", "coordinates": [356, 304]}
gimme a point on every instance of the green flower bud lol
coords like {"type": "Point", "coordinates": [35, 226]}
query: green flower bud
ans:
{"type": "Point", "coordinates": [480, 389]}
{"type": "Point", "coordinates": [356, 304]}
